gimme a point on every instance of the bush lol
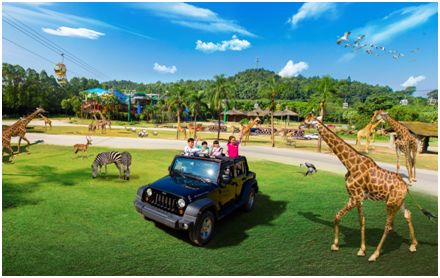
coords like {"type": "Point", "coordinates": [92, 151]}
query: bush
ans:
{"type": "Point", "coordinates": [403, 113]}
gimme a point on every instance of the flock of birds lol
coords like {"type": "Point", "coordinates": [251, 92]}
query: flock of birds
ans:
{"type": "Point", "coordinates": [371, 49]}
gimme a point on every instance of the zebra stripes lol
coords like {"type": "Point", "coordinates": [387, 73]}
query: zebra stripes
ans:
{"type": "Point", "coordinates": [121, 160]}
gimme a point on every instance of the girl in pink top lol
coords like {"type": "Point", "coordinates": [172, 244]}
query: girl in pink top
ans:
{"type": "Point", "coordinates": [233, 146]}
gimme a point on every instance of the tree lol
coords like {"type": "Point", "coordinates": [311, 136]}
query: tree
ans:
{"type": "Point", "coordinates": [197, 103]}
{"type": "Point", "coordinates": [220, 92]}
{"type": "Point", "coordinates": [177, 102]}
{"type": "Point", "coordinates": [270, 90]}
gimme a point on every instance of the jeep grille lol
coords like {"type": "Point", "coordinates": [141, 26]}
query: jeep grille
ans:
{"type": "Point", "coordinates": [165, 201]}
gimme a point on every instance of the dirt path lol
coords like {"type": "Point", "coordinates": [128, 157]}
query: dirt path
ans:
{"type": "Point", "coordinates": [427, 180]}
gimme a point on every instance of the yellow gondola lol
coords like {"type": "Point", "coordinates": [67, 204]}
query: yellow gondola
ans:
{"type": "Point", "coordinates": [61, 70]}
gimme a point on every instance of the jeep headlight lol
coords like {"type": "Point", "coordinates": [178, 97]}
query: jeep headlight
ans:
{"type": "Point", "coordinates": [149, 192]}
{"type": "Point", "coordinates": [181, 203]}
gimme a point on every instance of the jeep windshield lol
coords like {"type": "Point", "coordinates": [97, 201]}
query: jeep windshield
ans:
{"type": "Point", "coordinates": [202, 170]}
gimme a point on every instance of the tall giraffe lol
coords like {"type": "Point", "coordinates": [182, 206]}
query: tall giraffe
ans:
{"type": "Point", "coordinates": [19, 128]}
{"type": "Point", "coordinates": [405, 142]}
{"type": "Point", "coordinates": [367, 131]}
{"type": "Point", "coordinates": [246, 130]}
{"type": "Point", "coordinates": [46, 120]}
{"type": "Point", "coordinates": [180, 129]}
{"type": "Point", "coordinates": [366, 180]}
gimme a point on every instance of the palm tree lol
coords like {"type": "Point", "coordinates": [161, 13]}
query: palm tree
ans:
{"type": "Point", "coordinates": [177, 102]}
{"type": "Point", "coordinates": [326, 87]}
{"type": "Point", "coordinates": [197, 102]}
{"type": "Point", "coordinates": [220, 92]}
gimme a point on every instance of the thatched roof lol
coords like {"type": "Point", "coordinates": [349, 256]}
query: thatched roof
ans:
{"type": "Point", "coordinates": [423, 129]}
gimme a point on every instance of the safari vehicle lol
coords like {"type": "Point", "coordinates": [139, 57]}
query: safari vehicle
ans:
{"type": "Point", "coordinates": [196, 193]}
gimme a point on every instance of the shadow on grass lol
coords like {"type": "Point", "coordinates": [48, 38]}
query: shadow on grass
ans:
{"type": "Point", "coordinates": [352, 236]}
{"type": "Point", "coordinates": [232, 230]}
{"type": "Point", "coordinates": [18, 194]}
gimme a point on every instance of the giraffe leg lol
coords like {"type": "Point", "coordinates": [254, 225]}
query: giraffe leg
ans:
{"type": "Point", "coordinates": [407, 216]}
{"type": "Point", "coordinates": [28, 145]}
{"type": "Point", "coordinates": [409, 166]}
{"type": "Point", "coordinates": [367, 144]}
{"type": "Point", "coordinates": [361, 251]}
{"type": "Point", "coordinates": [19, 143]}
{"type": "Point", "coordinates": [398, 159]}
{"type": "Point", "coordinates": [391, 212]}
{"type": "Point", "coordinates": [351, 204]}
{"type": "Point", "coordinates": [414, 154]}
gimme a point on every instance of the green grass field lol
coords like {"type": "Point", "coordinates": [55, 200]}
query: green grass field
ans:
{"type": "Point", "coordinates": [57, 220]}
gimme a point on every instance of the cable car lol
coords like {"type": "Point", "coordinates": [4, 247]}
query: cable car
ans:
{"type": "Point", "coordinates": [61, 70]}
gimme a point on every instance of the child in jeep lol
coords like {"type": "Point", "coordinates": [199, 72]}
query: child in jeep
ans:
{"type": "Point", "coordinates": [189, 149]}
{"type": "Point", "coordinates": [232, 145]}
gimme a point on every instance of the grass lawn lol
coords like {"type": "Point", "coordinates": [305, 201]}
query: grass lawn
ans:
{"type": "Point", "coordinates": [57, 220]}
{"type": "Point", "coordinates": [383, 154]}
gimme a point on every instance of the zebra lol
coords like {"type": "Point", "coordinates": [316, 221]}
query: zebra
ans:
{"type": "Point", "coordinates": [104, 159]}
{"type": "Point", "coordinates": [125, 164]}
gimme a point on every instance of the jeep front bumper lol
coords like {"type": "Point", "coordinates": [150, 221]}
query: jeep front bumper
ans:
{"type": "Point", "coordinates": [163, 217]}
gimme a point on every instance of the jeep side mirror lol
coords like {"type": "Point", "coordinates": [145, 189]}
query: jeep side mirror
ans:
{"type": "Point", "coordinates": [226, 178]}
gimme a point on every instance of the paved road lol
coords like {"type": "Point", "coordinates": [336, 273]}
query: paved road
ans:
{"type": "Point", "coordinates": [38, 122]}
{"type": "Point", "coordinates": [427, 179]}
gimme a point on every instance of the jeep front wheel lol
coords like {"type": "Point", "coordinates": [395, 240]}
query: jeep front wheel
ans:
{"type": "Point", "coordinates": [203, 229]}
{"type": "Point", "coordinates": [250, 201]}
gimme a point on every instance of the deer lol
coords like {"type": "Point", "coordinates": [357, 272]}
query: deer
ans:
{"type": "Point", "coordinates": [82, 147]}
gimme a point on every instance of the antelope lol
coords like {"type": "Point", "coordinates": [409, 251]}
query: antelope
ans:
{"type": "Point", "coordinates": [82, 147]}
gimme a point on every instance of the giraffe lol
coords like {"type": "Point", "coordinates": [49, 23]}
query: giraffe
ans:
{"type": "Point", "coordinates": [104, 121]}
{"type": "Point", "coordinates": [365, 180]}
{"type": "Point", "coordinates": [47, 121]}
{"type": "Point", "coordinates": [367, 131]}
{"type": "Point", "coordinates": [246, 130]}
{"type": "Point", "coordinates": [19, 128]}
{"type": "Point", "coordinates": [405, 143]}
{"type": "Point", "coordinates": [191, 129]}
{"type": "Point", "coordinates": [180, 129]}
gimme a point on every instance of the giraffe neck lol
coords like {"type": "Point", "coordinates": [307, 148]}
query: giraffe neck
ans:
{"type": "Point", "coordinates": [398, 127]}
{"type": "Point", "coordinates": [375, 125]}
{"type": "Point", "coordinates": [343, 151]}
{"type": "Point", "coordinates": [29, 118]}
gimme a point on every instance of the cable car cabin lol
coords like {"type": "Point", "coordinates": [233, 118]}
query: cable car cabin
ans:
{"type": "Point", "coordinates": [60, 69]}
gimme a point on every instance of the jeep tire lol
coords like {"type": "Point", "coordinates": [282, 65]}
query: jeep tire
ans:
{"type": "Point", "coordinates": [202, 231]}
{"type": "Point", "coordinates": [250, 200]}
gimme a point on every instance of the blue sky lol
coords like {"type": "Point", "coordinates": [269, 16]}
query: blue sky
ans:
{"type": "Point", "coordinates": [149, 42]}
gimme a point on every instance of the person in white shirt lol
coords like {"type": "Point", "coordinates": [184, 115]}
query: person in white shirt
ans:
{"type": "Point", "coordinates": [189, 149]}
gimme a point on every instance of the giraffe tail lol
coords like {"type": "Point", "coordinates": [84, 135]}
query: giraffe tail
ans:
{"type": "Point", "coordinates": [431, 217]}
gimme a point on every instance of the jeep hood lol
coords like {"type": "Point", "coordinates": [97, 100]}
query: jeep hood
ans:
{"type": "Point", "coordinates": [181, 187]}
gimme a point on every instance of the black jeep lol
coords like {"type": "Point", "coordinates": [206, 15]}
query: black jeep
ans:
{"type": "Point", "coordinates": [196, 193]}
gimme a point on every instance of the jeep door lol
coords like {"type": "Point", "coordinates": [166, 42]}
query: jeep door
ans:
{"type": "Point", "coordinates": [240, 176]}
{"type": "Point", "coordinates": [226, 192]}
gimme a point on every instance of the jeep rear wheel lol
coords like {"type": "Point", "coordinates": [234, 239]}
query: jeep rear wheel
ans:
{"type": "Point", "coordinates": [250, 200]}
{"type": "Point", "coordinates": [201, 233]}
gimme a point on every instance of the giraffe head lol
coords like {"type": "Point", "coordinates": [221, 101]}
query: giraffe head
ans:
{"type": "Point", "coordinates": [311, 119]}
{"type": "Point", "coordinates": [40, 110]}
{"type": "Point", "coordinates": [380, 114]}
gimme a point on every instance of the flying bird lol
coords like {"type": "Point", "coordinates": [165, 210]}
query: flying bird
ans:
{"type": "Point", "coordinates": [395, 57]}
{"type": "Point", "coordinates": [369, 51]}
{"type": "Point", "coordinates": [380, 48]}
{"type": "Point", "coordinates": [344, 37]}
{"type": "Point", "coordinates": [310, 168]}
{"type": "Point", "coordinates": [359, 38]}
{"type": "Point", "coordinates": [347, 45]}
{"type": "Point", "coordinates": [415, 50]}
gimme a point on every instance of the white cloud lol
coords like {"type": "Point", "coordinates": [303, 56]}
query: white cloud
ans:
{"type": "Point", "coordinates": [413, 81]}
{"type": "Point", "coordinates": [164, 69]}
{"type": "Point", "coordinates": [311, 10]}
{"type": "Point", "coordinates": [37, 15]}
{"type": "Point", "coordinates": [397, 23]}
{"type": "Point", "coordinates": [292, 69]}
{"type": "Point", "coordinates": [194, 17]}
{"type": "Point", "coordinates": [234, 44]}
{"type": "Point", "coordinates": [74, 32]}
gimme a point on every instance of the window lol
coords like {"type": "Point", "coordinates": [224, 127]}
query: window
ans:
{"type": "Point", "coordinates": [240, 168]}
